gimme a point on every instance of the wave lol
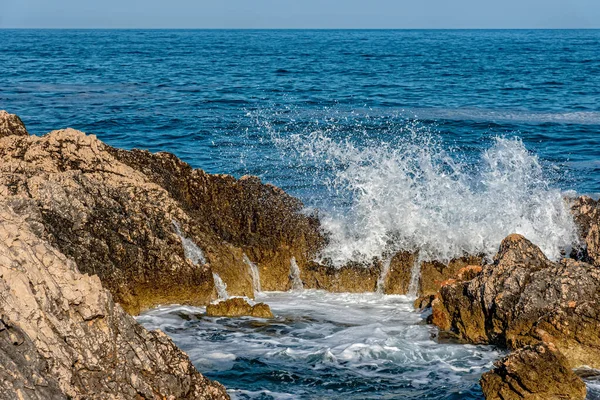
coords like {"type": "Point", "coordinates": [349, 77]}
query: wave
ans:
{"type": "Point", "coordinates": [413, 193]}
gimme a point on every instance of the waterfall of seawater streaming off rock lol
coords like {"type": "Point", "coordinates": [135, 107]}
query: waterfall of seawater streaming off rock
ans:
{"type": "Point", "coordinates": [295, 275]}
{"type": "Point", "coordinates": [221, 287]}
{"type": "Point", "coordinates": [254, 273]}
{"type": "Point", "coordinates": [190, 249]}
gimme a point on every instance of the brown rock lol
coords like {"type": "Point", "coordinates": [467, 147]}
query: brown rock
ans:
{"type": "Point", "coordinates": [62, 336]}
{"type": "Point", "coordinates": [10, 124]}
{"type": "Point", "coordinates": [469, 272]}
{"type": "Point", "coordinates": [587, 216]}
{"type": "Point", "coordinates": [113, 212]}
{"type": "Point", "coordinates": [397, 280]}
{"type": "Point", "coordinates": [522, 298]}
{"type": "Point", "coordinates": [435, 274]}
{"type": "Point", "coordinates": [351, 278]}
{"type": "Point", "coordinates": [536, 372]}
{"type": "Point", "coordinates": [238, 307]}
{"type": "Point", "coordinates": [258, 219]}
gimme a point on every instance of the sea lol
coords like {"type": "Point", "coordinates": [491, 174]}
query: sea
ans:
{"type": "Point", "coordinates": [443, 141]}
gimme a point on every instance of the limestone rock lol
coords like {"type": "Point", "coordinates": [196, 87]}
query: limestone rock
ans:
{"type": "Point", "coordinates": [114, 212]}
{"type": "Point", "coordinates": [587, 216]}
{"type": "Point", "coordinates": [351, 278]}
{"type": "Point", "coordinates": [11, 124]}
{"type": "Point", "coordinates": [63, 337]}
{"type": "Point", "coordinates": [238, 307]}
{"type": "Point", "coordinates": [523, 298]}
{"type": "Point", "coordinates": [536, 372]}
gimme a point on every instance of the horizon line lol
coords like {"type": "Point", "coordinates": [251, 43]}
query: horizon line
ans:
{"type": "Point", "coordinates": [301, 29]}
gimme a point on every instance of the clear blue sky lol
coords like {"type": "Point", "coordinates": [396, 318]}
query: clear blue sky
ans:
{"type": "Point", "coordinates": [299, 14]}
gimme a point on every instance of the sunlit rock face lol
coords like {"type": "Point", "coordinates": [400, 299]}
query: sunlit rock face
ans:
{"type": "Point", "coordinates": [536, 372]}
{"type": "Point", "coordinates": [116, 214]}
{"type": "Point", "coordinates": [63, 337]}
{"type": "Point", "coordinates": [522, 298]}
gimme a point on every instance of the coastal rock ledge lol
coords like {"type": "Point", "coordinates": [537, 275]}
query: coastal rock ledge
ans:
{"type": "Point", "coordinates": [63, 337]}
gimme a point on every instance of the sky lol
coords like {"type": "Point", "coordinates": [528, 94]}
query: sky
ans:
{"type": "Point", "coordinates": [328, 14]}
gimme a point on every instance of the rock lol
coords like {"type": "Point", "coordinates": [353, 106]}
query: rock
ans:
{"type": "Point", "coordinates": [351, 278]}
{"type": "Point", "coordinates": [10, 124]}
{"type": "Point", "coordinates": [469, 272]}
{"type": "Point", "coordinates": [114, 212]}
{"type": "Point", "coordinates": [423, 302]}
{"type": "Point", "coordinates": [536, 372]}
{"type": "Point", "coordinates": [238, 307]}
{"type": "Point", "coordinates": [523, 298]}
{"type": "Point", "coordinates": [587, 217]}
{"type": "Point", "coordinates": [63, 337]}
{"type": "Point", "coordinates": [435, 274]}
{"type": "Point", "coordinates": [257, 219]}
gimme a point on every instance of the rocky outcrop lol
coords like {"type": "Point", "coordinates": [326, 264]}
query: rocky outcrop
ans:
{"type": "Point", "coordinates": [63, 337]}
{"type": "Point", "coordinates": [587, 216]}
{"type": "Point", "coordinates": [351, 278]}
{"type": "Point", "coordinates": [536, 372]}
{"type": "Point", "coordinates": [128, 216]}
{"type": "Point", "coordinates": [523, 298]}
{"type": "Point", "coordinates": [257, 219]}
{"type": "Point", "coordinates": [238, 307]}
{"type": "Point", "coordinates": [11, 124]}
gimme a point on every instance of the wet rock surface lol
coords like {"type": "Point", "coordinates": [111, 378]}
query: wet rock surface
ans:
{"type": "Point", "coordinates": [62, 336]}
{"type": "Point", "coordinates": [536, 372]}
{"type": "Point", "coordinates": [523, 298]}
{"type": "Point", "coordinates": [113, 211]}
{"type": "Point", "coordinates": [587, 216]}
{"type": "Point", "coordinates": [238, 307]}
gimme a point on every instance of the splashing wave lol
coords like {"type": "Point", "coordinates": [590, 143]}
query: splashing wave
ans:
{"type": "Point", "coordinates": [412, 193]}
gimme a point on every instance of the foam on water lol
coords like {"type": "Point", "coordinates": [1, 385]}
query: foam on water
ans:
{"type": "Point", "coordinates": [220, 286]}
{"type": "Point", "coordinates": [326, 345]}
{"type": "Point", "coordinates": [190, 249]}
{"type": "Point", "coordinates": [413, 193]}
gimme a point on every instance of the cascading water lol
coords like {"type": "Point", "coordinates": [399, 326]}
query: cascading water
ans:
{"type": "Point", "coordinates": [295, 275]}
{"type": "Point", "coordinates": [190, 249]}
{"type": "Point", "coordinates": [415, 278]}
{"type": "Point", "coordinates": [221, 287]}
{"type": "Point", "coordinates": [385, 270]}
{"type": "Point", "coordinates": [254, 273]}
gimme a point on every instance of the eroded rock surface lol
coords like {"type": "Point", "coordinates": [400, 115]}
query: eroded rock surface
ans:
{"type": "Point", "coordinates": [523, 298]}
{"type": "Point", "coordinates": [536, 372]}
{"type": "Point", "coordinates": [238, 307]}
{"type": "Point", "coordinates": [63, 337]}
{"type": "Point", "coordinates": [114, 212]}
{"type": "Point", "coordinates": [11, 124]}
{"type": "Point", "coordinates": [587, 216]}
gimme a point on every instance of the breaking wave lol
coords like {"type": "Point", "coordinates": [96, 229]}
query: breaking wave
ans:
{"type": "Point", "coordinates": [408, 191]}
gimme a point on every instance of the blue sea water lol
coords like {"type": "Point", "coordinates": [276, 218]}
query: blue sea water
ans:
{"type": "Point", "coordinates": [445, 136]}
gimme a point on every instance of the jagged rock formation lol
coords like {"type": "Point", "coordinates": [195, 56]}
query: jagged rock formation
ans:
{"type": "Point", "coordinates": [63, 337]}
{"type": "Point", "coordinates": [536, 372]}
{"type": "Point", "coordinates": [352, 278]}
{"type": "Point", "coordinates": [587, 216]}
{"type": "Point", "coordinates": [11, 124]}
{"type": "Point", "coordinates": [523, 298]}
{"type": "Point", "coordinates": [113, 211]}
{"type": "Point", "coordinates": [238, 307]}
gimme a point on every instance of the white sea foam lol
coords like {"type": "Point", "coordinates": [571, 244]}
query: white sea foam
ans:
{"type": "Point", "coordinates": [220, 286]}
{"type": "Point", "coordinates": [190, 249]}
{"type": "Point", "coordinates": [255, 274]}
{"type": "Point", "coordinates": [414, 194]}
{"type": "Point", "coordinates": [319, 342]}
